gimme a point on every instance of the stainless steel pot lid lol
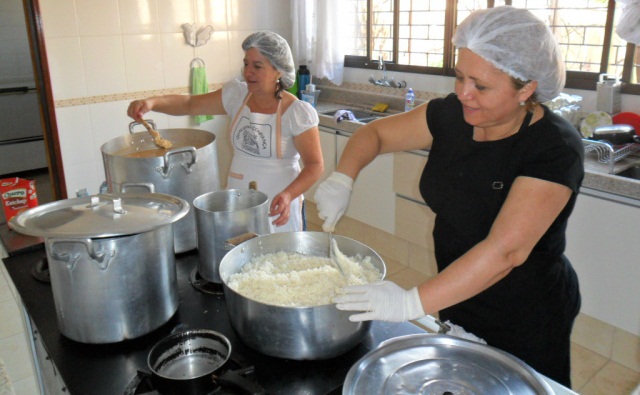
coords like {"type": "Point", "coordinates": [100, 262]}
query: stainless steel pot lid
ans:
{"type": "Point", "coordinates": [104, 215]}
{"type": "Point", "coordinates": [441, 364]}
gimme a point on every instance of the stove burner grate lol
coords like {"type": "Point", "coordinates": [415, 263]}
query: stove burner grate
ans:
{"type": "Point", "coordinates": [142, 384]}
{"type": "Point", "coordinates": [203, 285]}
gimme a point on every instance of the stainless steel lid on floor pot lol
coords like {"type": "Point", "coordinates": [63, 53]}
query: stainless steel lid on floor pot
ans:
{"type": "Point", "coordinates": [103, 215]}
{"type": "Point", "coordinates": [441, 364]}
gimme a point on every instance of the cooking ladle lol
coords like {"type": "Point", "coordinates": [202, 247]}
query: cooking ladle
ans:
{"type": "Point", "coordinates": [157, 139]}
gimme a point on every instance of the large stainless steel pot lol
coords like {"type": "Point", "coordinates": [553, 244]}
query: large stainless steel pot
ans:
{"type": "Point", "coordinates": [441, 364]}
{"type": "Point", "coordinates": [133, 163]}
{"type": "Point", "coordinates": [221, 216]}
{"type": "Point", "coordinates": [300, 333]}
{"type": "Point", "coordinates": [111, 262]}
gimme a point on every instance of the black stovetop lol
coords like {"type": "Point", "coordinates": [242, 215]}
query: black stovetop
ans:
{"type": "Point", "coordinates": [109, 369]}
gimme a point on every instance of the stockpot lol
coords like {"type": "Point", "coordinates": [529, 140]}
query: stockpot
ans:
{"type": "Point", "coordinates": [111, 262]}
{"type": "Point", "coordinates": [299, 333]}
{"type": "Point", "coordinates": [133, 163]}
{"type": "Point", "coordinates": [222, 216]}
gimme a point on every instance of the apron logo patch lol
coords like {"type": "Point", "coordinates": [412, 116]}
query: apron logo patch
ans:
{"type": "Point", "coordinates": [253, 138]}
{"type": "Point", "coordinates": [497, 185]}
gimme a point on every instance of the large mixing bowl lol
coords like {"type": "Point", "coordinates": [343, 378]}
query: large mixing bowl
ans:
{"type": "Point", "coordinates": [300, 333]}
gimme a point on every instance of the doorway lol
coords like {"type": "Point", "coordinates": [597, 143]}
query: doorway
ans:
{"type": "Point", "coordinates": [28, 77]}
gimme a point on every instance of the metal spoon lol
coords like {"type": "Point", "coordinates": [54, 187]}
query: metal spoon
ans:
{"type": "Point", "coordinates": [157, 139]}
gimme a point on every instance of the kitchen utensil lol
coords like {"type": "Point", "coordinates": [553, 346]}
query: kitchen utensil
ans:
{"type": "Point", "coordinates": [132, 163]}
{"type": "Point", "coordinates": [111, 262]}
{"type": "Point", "coordinates": [593, 120]}
{"type": "Point", "coordinates": [223, 215]}
{"type": "Point", "coordinates": [441, 364]}
{"type": "Point", "coordinates": [447, 328]}
{"type": "Point", "coordinates": [157, 138]}
{"type": "Point", "coordinates": [628, 118]}
{"type": "Point", "coordinates": [333, 247]}
{"type": "Point", "coordinates": [616, 134]}
{"type": "Point", "coordinates": [194, 362]}
{"type": "Point", "coordinates": [300, 333]}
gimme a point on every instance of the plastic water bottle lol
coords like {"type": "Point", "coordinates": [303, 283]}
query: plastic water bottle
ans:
{"type": "Point", "coordinates": [409, 100]}
{"type": "Point", "coordinates": [304, 78]}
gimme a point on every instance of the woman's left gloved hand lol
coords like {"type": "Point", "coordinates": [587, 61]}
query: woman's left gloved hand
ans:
{"type": "Point", "coordinates": [384, 301]}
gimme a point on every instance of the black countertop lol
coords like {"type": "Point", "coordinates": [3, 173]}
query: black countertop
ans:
{"type": "Point", "coordinates": [108, 369]}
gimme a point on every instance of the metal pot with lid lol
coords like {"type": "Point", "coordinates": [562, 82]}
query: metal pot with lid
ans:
{"type": "Point", "coordinates": [441, 364]}
{"type": "Point", "coordinates": [111, 262]}
{"type": "Point", "coordinates": [133, 163]}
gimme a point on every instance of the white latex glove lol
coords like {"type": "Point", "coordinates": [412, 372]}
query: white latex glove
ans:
{"type": "Point", "coordinates": [384, 301]}
{"type": "Point", "coordinates": [332, 199]}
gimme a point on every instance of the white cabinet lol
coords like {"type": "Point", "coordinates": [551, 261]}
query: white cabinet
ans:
{"type": "Point", "coordinates": [373, 199]}
{"type": "Point", "coordinates": [414, 219]}
{"type": "Point", "coordinates": [328, 146]}
{"type": "Point", "coordinates": [602, 245]}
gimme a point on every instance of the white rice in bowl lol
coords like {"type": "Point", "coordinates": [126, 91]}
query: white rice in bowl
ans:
{"type": "Point", "coordinates": [298, 280]}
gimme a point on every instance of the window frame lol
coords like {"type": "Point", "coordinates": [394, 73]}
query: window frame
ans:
{"type": "Point", "coordinates": [575, 79]}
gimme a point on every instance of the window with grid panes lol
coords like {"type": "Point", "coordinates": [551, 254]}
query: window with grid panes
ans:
{"type": "Point", "coordinates": [415, 36]}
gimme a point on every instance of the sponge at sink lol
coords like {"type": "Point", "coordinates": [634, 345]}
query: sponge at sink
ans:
{"type": "Point", "coordinates": [380, 107]}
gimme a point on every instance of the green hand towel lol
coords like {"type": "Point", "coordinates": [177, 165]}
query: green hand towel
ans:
{"type": "Point", "coordinates": [199, 86]}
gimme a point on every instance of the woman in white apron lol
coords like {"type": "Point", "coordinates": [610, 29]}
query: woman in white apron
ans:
{"type": "Point", "coordinates": [271, 130]}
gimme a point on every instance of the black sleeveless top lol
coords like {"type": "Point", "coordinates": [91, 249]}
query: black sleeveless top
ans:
{"type": "Point", "coordinates": [465, 183]}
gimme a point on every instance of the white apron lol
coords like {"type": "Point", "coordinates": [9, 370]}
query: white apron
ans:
{"type": "Point", "coordinates": [273, 173]}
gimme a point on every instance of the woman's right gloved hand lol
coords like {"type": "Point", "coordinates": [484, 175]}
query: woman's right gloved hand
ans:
{"type": "Point", "coordinates": [332, 198]}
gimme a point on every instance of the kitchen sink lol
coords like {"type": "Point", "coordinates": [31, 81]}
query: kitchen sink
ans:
{"type": "Point", "coordinates": [631, 172]}
{"type": "Point", "coordinates": [369, 119]}
{"type": "Point", "coordinates": [362, 116]}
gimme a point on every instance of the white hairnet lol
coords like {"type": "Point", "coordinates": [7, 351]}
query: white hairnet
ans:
{"type": "Point", "coordinates": [518, 43]}
{"type": "Point", "coordinates": [275, 48]}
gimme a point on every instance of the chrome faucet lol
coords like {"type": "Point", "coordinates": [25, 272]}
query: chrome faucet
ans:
{"type": "Point", "coordinates": [384, 81]}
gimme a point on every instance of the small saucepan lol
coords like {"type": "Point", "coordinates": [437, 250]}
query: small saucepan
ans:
{"type": "Point", "coordinates": [616, 134]}
{"type": "Point", "coordinates": [194, 362]}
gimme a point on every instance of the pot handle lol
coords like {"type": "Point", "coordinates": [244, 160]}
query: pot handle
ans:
{"type": "Point", "coordinates": [234, 241]}
{"type": "Point", "coordinates": [102, 258]}
{"type": "Point", "coordinates": [148, 185]}
{"type": "Point", "coordinates": [239, 382]}
{"type": "Point", "coordinates": [135, 123]}
{"type": "Point", "coordinates": [116, 201]}
{"type": "Point", "coordinates": [166, 169]}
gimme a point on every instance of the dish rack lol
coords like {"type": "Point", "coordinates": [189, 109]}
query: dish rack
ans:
{"type": "Point", "coordinates": [607, 153]}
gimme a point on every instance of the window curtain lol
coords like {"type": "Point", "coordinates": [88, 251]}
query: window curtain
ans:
{"type": "Point", "coordinates": [317, 29]}
{"type": "Point", "coordinates": [629, 24]}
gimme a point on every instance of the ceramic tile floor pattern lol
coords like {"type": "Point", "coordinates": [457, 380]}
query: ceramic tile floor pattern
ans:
{"type": "Point", "coordinates": [592, 373]}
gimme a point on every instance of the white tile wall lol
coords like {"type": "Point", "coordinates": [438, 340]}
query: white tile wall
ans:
{"type": "Point", "coordinates": [131, 48]}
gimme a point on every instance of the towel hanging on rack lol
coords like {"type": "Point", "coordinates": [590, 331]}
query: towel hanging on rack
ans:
{"type": "Point", "coordinates": [199, 84]}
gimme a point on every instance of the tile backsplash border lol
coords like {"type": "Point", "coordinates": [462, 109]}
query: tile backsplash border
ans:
{"type": "Point", "coordinates": [81, 101]}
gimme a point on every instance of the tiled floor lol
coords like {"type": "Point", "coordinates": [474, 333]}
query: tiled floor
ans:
{"type": "Point", "coordinates": [592, 373]}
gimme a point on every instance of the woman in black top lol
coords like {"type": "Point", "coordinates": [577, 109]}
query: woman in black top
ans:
{"type": "Point", "coordinates": [502, 178]}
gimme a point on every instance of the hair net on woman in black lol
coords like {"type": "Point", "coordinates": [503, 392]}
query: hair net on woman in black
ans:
{"type": "Point", "coordinates": [518, 43]}
{"type": "Point", "coordinates": [275, 48]}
